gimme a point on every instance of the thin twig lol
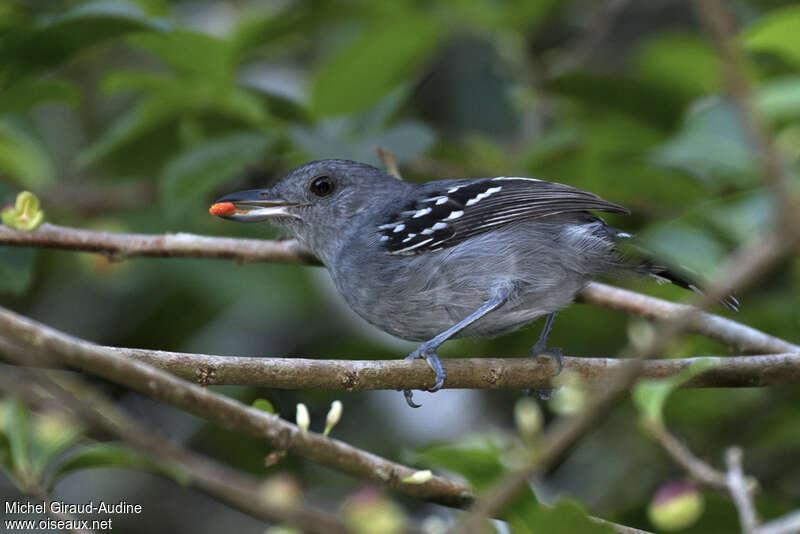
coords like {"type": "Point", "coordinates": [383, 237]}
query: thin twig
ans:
{"type": "Point", "coordinates": [787, 524]}
{"type": "Point", "coordinates": [227, 412]}
{"type": "Point", "coordinates": [737, 485]}
{"type": "Point", "coordinates": [468, 373]}
{"type": "Point", "coordinates": [389, 161]}
{"type": "Point", "coordinates": [120, 246]}
{"type": "Point", "coordinates": [727, 331]}
{"type": "Point", "coordinates": [700, 470]}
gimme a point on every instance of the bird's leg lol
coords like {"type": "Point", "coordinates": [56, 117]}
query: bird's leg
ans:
{"type": "Point", "coordinates": [428, 349]}
{"type": "Point", "coordinates": [540, 348]}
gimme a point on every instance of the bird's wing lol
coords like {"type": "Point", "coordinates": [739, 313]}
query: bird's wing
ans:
{"type": "Point", "coordinates": [449, 212]}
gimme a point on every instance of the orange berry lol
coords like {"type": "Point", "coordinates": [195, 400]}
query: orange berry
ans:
{"type": "Point", "coordinates": [222, 209]}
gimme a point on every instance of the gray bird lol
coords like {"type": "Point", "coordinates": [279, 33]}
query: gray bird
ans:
{"type": "Point", "coordinates": [451, 258]}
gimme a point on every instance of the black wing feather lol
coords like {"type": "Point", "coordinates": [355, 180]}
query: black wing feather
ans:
{"type": "Point", "coordinates": [448, 212]}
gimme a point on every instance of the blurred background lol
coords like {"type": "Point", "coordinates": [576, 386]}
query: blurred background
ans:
{"type": "Point", "coordinates": [134, 116]}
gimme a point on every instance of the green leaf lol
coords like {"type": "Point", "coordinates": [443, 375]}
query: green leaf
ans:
{"type": "Point", "coordinates": [191, 54]}
{"type": "Point", "coordinates": [478, 459]}
{"type": "Point", "coordinates": [112, 455]}
{"type": "Point", "coordinates": [777, 32]}
{"type": "Point", "coordinates": [23, 156]}
{"type": "Point", "coordinates": [16, 269]}
{"type": "Point", "coordinates": [384, 56]}
{"type": "Point", "coordinates": [642, 99]}
{"type": "Point", "coordinates": [649, 396]}
{"type": "Point", "coordinates": [264, 405]}
{"type": "Point", "coordinates": [712, 146]}
{"type": "Point", "coordinates": [681, 61]}
{"type": "Point", "coordinates": [19, 439]}
{"type": "Point", "coordinates": [196, 172]}
{"type": "Point", "coordinates": [167, 106]}
{"type": "Point", "coordinates": [566, 517]}
{"type": "Point", "coordinates": [22, 96]}
{"type": "Point", "coordinates": [779, 100]}
{"type": "Point", "coordinates": [55, 38]}
{"type": "Point", "coordinates": [51, 434]}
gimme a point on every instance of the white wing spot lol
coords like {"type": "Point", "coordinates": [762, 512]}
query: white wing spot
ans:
{"type": "Point", "coordinates": [412, 247]}
{"type": "Point", "coordinates": [399, 228]}
{"type": "Point", "coordinates": [454, 188]}
{"type": "Point", "coordinates": [483, 195]}
{"type": "Point", "coordinates": [441, 201]}
{"type": "Point", "coordinates": [454, 215]}
{"type": "Point", "coordinates": [421, 213]}
{"type": "Point", "coordinates": [501, 178]}
{"type": "Point", "coordinates": [385, 238]}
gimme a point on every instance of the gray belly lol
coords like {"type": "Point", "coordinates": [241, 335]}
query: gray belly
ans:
{"type": "Point", "coordinates": [416, 297]}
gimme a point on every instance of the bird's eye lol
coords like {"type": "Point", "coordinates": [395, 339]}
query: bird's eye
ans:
{"type": "Point", "coordinates": [322, 186]}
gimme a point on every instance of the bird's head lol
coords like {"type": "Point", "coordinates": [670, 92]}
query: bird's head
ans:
{"type": "Point", "coordinates": [315, 202]}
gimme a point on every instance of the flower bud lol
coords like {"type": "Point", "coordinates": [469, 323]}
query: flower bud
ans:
{"type": "Point", "coordinates": [24, 214]}
{"type": "Point", "coordinates": [675, 506]}
{"type": "Point", "coordinates": [570, 396]}
{"type": "Point", "coordinates": [282, 491]}
{"type": "Point", "coordinates": [528, 417]}
{"type": "Point", "coordinates": [334, 415]}
{"type": "Point", "coordinates": [419, 477]}
{"type": "Point", "coordinates": [303, 419]}
{"type": "Point", "coordinates": [369, 512]}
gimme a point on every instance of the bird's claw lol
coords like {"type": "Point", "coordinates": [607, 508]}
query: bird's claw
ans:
{"type": "Point", "coordinates": [433, 361]}
{"type": "Point", "coordinates": [409, 395]}
{"type": "Point", "coordinates": [557, 354]}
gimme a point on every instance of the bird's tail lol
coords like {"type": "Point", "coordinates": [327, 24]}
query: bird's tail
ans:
{"type": "Point", "coordinates": [646, 263]}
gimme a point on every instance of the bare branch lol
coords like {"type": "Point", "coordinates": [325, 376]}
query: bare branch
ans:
{"type": "Point", "coordinates": [727, 331]}
{"type": "Point", "coordinates": [227, 412]}
{"type": "Point", "coordinates": [701, 471]}
{"type": "Point", "coordinates": [787, 524]}
{"type": "Point", "coordinates": [121, 246]}
{"type": "Point", "coordinates": [737, 484]}
{"type": "Point", "coordinates": [471, 373]}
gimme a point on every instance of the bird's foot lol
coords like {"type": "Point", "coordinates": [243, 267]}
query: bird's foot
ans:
{"type": "Point", "coordinates": [557, 354]}
{"type": "Point", "coordinates": [429, 353]}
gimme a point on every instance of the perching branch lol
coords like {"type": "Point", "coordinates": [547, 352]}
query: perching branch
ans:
{"type": "Point", "coordinates": [467, 373]}
{"type": "Point", "coordinates": [120, 246]}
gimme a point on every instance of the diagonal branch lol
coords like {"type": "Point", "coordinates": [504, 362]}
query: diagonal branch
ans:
{"type": "Point", "coordinates": [241, 491]}
{"type": "Point", "coordinates": [227, 412]}
{"type": "Point", "coordinates": [120, 246]}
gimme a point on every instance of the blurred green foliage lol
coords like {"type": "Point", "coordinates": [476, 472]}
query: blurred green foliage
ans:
{"type": "Point", "coordinates": [134, 115]}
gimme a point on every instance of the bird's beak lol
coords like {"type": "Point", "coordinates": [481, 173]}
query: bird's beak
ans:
{"type": "Point", "coordinates": [253, 205]}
